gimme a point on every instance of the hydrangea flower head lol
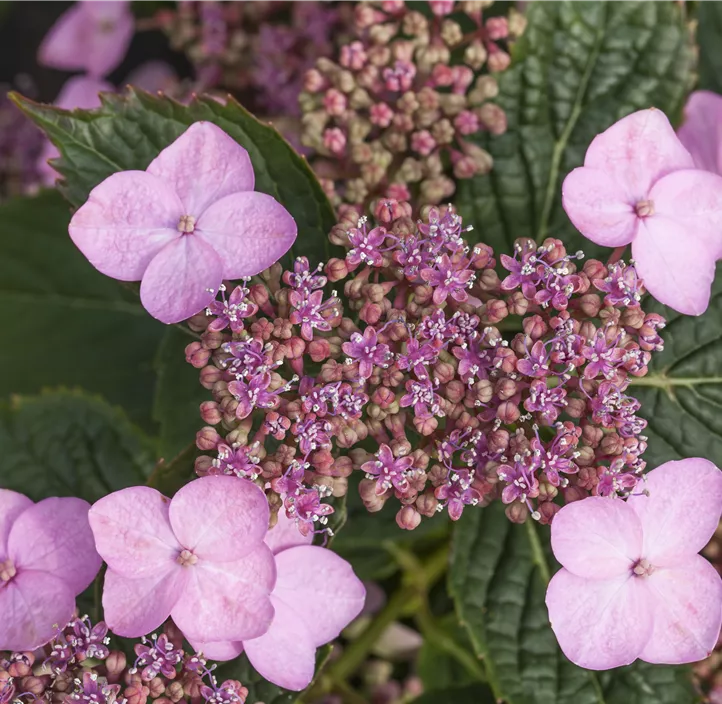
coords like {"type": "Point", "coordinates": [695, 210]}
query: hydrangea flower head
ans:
{"type": "Point", "coordinates": [639, 185]}
{"type": "Point", "coordinates": [187, 222]}
{"type": "Point", "coordinates": [317, 595]}
{"type": "Point", "coordinates": [90, 36]}
{"type": "Point", "coordinates": [632, 584]}
{"type": "Point", "coordinates": [47, 558]}
{"type": "Point", "coordinates": [701, 132]}
{"type": "Point", "coordinates": [199, 557]}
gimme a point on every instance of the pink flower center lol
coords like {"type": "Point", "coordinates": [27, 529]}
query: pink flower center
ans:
{"type": "Point", "coordinates": [186, 558]}
{"type": "Point", "coordinates": [7, 571]}
{"type": "Point", "coordinates": [644, 208]}
{"type": "Point", "coordinates": [186, 224]}
{"type": "Point", "coordinates": [643, 568]}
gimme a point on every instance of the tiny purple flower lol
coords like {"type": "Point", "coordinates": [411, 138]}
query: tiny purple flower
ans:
{"type": "Point", "coordinates": [367, 350]}
{"type": "Point", "coordinates": [388, 470]}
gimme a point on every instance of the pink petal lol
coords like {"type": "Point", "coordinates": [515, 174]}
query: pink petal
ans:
{"type": "Point", "coordinates": [285, 534]}
{"type": "Point", "coordinates": [63, 46]}
{"type": "Point", "coordinates": [12, 505]}
{"type": "Point", "coordinates": [598, 207]}
{"type": "Point", "coordinates": [686, 602]}
{"type": "Point", "coordinates": [132, 531]}
{"type": "Point", "coordinates": [677, 267]}
{"type": "Point", "coordinates": [599, 624]}
{"type": "Point", "coordinates": [126, 221]}
{"type": "Point", "coordinates": [82, 92]}
{"type": "Point", "coordinates": [638, 150]}
{"type": "Point", "coordinates": [597, 538]}
{"type": "Point", "coordinates": [250, 231]}
{"type": "Point", "coordinates": [54, 537]}
{"type": "Point", "coordinates": [33, 605]}
{"type": "Point", "coordinates": [152, 76]}
{"type": "Point", "coordinates": [682, 510]}
{"type": "Point", "coordinates": [181, 280]}
{"type": "Point", "coordinates": [228, 600]}
{"type": "Point", "coordinates": [203, 165]}
{"type": "Point", "coordinates": [693, 199]}
{"type": "Point", "coordinates": [701, 132]}
{"type": "Point", "coordinates": [286, 653]}
{"type": "Point", "coordinates": [219, 651]}
{"type": "Point", "coordinates": [135, 607]}
{"type": "Point", "coordinates": [112, 31]}
{"type": "Point", "coordinates": [321, 587]}
{"type": "Point", "coordinates": [107, 10]}
{"type": "Point", "coordinates": [90, 36]}
{"type": "Point", "coordinates": [219, 518]}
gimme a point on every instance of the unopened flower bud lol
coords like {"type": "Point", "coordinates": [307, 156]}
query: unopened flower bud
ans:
{"type": "Point", "coordinates": [211, 412]}
{"type": "Point", "coordinates": [207, 439]}
{"type": "Point", "coordinates": [197, 355]}
{"type": "Point", "coordinates": [496, 310]}
{"type": "Point", "coordinates": [576, 407]}
{"type": "Point", "coordinates": [517, 512]}
{"type": "Point", "coordinates": [518, 303]}
{"type": "Point", "coordinates": [508, 412]}
{"type": "Point", "coordinates": [408, 518]}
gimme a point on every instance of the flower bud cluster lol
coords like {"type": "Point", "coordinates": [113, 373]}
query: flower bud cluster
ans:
{"type": "Point", "coordinates": [258, 49]}
{"type": "Point", "coordinates": [396, 112]}
{"type": "Point", "coordinates": [78, 668]}
{"type": "Point", "coordinates": [439, 381]}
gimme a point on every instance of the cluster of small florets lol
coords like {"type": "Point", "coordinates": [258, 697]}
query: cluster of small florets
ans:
{"type": "Point", "coordinates": [442, 383]}
{"type": "Point", "coordinates": [260, 49]}
{"type": "Point", "coordinates": [79, 668]}
{"type": "Point", "coordinates": [397, 112]}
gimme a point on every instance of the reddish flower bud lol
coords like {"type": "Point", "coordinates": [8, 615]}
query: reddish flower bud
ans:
{"type": "Point", "coordinates": [211, 413]}
{"type": "Point", "coordinates": [517, 303]}
{"type": "Point", "coordinates": [197, 355]}
{"type": "Point", "coordinates": [207, 439]}
{"type": "Point", "coordinates": [496, 310]}
{"type": "Point", "coordinates": [517, 512]}
{"type": "Point", "coordinates": [408, 518]}
{"type": "Point", "coordinates": [336, 269]}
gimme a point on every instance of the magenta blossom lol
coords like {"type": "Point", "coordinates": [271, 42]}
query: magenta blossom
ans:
{"type": "Point", "coordinates": [367, 351]}
{"type": "Point", "coordinates": [632, 584]}
{"type": "Point", "coordinates": [639, 185]}
{"type": "Point", "coordinates": [186, 223]}
{"type": "Point", "coordinates": [47, 558]}
{"type": "Point", "coordinates": [389, 471]}
{"type": "Point", "coordinates": [316, 596]}
{"type": "Point", "coordinates": [199, 558]}
{"type": "Point", "coordinates": [701, 132]}
{"type": "Point", "coordinates": [90, 36]}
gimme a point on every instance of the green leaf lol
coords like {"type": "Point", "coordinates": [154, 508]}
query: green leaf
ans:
{"type": "Point", "coordinates": [498, 579]}
{"type": "Point", "coordinates": [709, 40]}
{"type": "Point", "coordinates": [436, 667]}
{"type": "Point", "coordinates": [643, 683]}
{"type": "Point", "coordinates": [129, 130]}
{"type": "Point", "coordinates": [579, 67]}
{"type": "Point", "coordinates": [682, 394]}
{"type": "Point", "coordinates": [67, 443]}
{"type": "Point", "coordinates": [470, 694]}
{"type": "Point", "coordinates": [178, 395]}
{"type": "Point", "coordinates": [64, 323]}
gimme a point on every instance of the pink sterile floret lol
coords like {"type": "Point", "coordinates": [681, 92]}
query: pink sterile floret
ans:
{"type": "Point", "coordinates": [77, 92]}
{"type": "Point", "coordinates": [47, 558]}
{"type": "Point", "coordinates": [632, 584]}
{"type": "Point", "coordinates": [91, 36]}
{"type": "Point", "coordinates": [639, 185]}
{"type": "Point", "coordinates": [701, 131]}
{"type": "Point", "coordinates": [317, 595]}
{"type": "Point", "coordinates": [199, 557]}
{"type": "Point", "coordinates": [189, 221]}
